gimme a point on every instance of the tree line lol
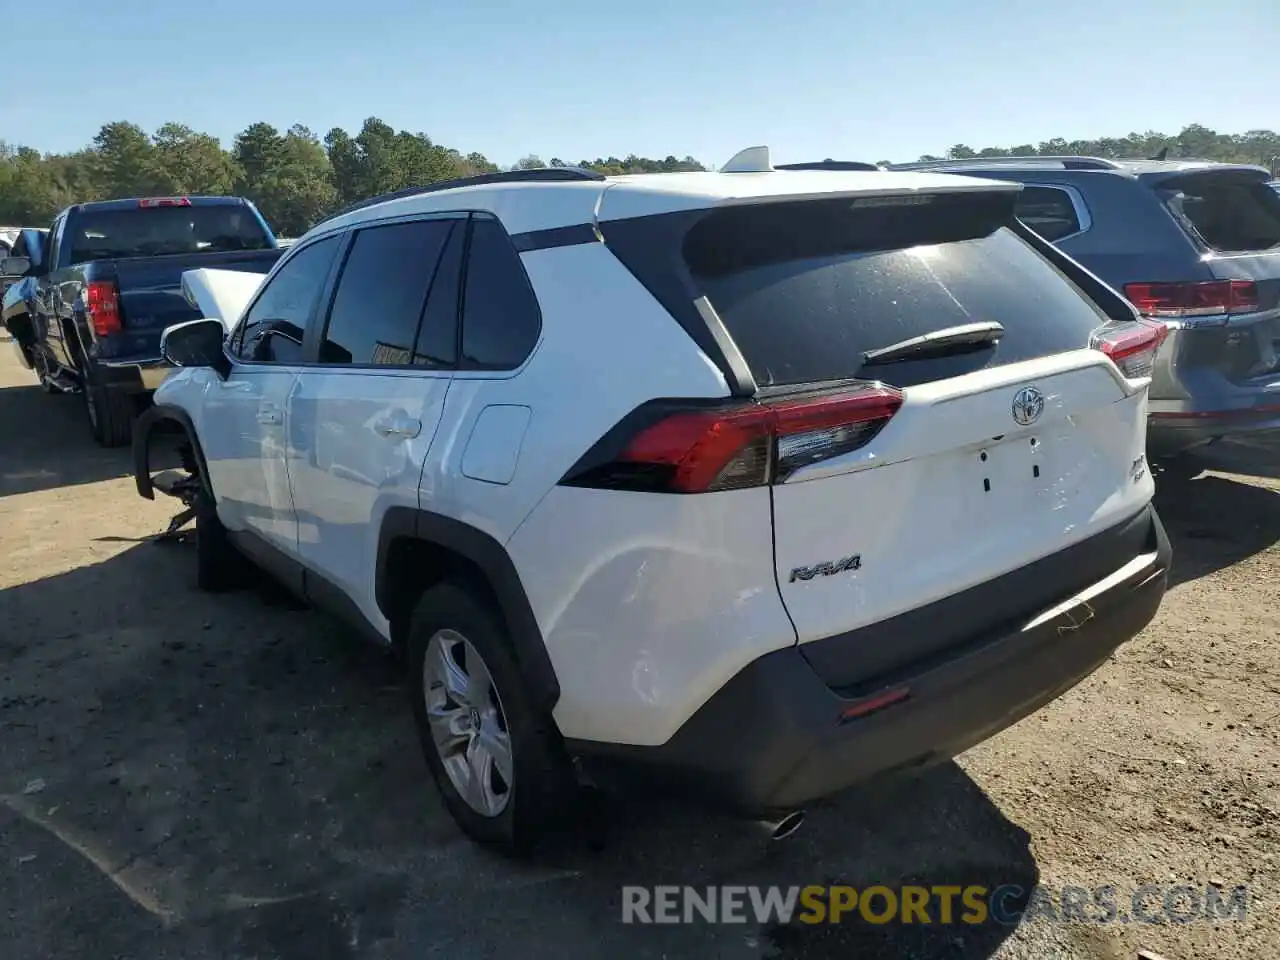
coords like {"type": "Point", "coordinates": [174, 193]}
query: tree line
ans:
{"type": "Point", "coordinates": [1254, 146]}
{"type": "Point", "coordinates": [296, 177]}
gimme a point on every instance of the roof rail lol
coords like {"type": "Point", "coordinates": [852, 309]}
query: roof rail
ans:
{"type": "Point", "coordinates": [828, 164]}
{"type": "Point", "coordinates": [536, 175]}
{"type": "Point", "coordinates": [1064, 162]}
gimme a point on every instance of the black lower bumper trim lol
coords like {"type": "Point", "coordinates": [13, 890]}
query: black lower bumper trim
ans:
{"type": "Point", "coordinates": [774, 737]}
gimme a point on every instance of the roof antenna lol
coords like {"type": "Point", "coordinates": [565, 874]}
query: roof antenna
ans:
{"type": "Point", "coordinates": [1163, 154]}
{"type": "Point", "coordinates": [750, 160]}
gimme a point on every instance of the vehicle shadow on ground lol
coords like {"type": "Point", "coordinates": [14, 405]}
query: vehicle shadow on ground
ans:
{"type": "Point", "coordinates": [197, 776]}
{"type": "Point", "coordinates": [1215, 521]}
{"type": "Point", "coordinates": [1257, 456]}
{"type": "Point", "coordinates": [44, 443]}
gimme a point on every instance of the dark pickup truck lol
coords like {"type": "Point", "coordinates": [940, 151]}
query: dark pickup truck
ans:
{"type": "Point", "coordinates": [91, 303]}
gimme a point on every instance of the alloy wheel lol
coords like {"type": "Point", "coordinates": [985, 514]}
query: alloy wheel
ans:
{"type": "Point", "coordinates": [468, 725]}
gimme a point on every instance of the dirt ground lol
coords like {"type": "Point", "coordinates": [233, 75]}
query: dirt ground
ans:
{"type": "Point", "coordinates": [187, 776]}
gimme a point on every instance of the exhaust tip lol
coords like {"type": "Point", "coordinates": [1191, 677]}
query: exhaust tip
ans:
{"type": "Point", "coordinates": [787, 825]}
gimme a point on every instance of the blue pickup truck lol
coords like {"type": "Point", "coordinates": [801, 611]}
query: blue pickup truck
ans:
{"type": "Point", "coordinates": [94, 294]}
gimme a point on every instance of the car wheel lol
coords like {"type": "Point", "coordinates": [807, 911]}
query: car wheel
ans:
{"type": "Point", "coordinates": [110, 414]}
{"type": "Point", "coordinates": [495, 760]}
{"type": "Point", "coordinates": [220, 567]}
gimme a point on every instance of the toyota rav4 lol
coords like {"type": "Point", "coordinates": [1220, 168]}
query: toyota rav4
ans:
{"type": "Point", "coordinates": [758, 483]}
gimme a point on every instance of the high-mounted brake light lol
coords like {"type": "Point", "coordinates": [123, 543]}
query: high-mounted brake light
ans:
{"type": "Point", "coordinates": [1207, 299]}
{"type": "Point", "coordinates": [165, 202]}
{"type": "Point", "coordinates": [1131, 346]}
{"type": "Point", "coordinates": [745, 444]}
{"type": "Point", "coordinates": [102, 307]}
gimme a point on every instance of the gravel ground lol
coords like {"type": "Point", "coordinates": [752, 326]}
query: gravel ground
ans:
{"type": "Point", "coordinates": [185, 776]}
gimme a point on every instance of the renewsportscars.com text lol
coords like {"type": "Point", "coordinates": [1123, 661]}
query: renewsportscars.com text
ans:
{"type": "Point", "coordinates": [940, 904]}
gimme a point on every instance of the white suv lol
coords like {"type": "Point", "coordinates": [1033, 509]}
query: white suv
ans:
{"type": "Point", "coordinates": [754, 483]}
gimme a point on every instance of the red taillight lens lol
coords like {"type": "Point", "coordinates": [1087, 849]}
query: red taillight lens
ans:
{"type": "Point", "coordinates": [102, 306]}
{"type": "Point", "coordinates": [165, 202]}
{"type": "Point", "coordinates": [1174, 300]}
{"type": "Point", "coordinates": [1131, 346]}
{"type": "Point", "coordinates": [706, 449]}
{"type": "Point", "coordinates": [742, 445]}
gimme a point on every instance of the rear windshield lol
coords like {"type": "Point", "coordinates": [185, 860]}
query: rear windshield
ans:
{"type": "Point", "coordinates": [1228, 212]}
{"type": "Point", "coordinates": [806, 289]}
{"type": "Point", "coordinates": [156, 231]}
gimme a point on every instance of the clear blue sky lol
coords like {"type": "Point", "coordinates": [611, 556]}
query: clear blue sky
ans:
{"type": "Point", "coordinates": [571, 79]}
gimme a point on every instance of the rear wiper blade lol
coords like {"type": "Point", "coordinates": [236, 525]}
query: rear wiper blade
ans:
{"type": "Point", "coordinates": [939, 343]}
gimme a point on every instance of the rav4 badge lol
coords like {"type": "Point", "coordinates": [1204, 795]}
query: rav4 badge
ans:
{"type": "Point", "coordinates": [827, 569]}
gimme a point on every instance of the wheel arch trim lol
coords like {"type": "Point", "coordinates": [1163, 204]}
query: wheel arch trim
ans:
{"type": "Point", "coordinates": [142, 429]}
{"type": "Point", "coordinates": [491, 558]}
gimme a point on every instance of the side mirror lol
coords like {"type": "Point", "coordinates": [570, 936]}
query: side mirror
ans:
{"type": "Point", "coordinates": [15, 266]}
{"type": "Point", "coordinates": [196, 343]}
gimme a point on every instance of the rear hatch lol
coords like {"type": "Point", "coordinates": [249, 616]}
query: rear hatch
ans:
{"type": "Point", "coordinates": [989, 435]}
{"type": "Point", "coordinates": [1230, 321]}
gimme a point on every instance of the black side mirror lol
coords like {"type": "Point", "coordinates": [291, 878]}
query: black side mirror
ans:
{"type": "Point", "coordinates": [196, 343]}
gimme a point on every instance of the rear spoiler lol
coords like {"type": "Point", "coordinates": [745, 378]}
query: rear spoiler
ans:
{"type": "Point", "coordinates": [1210, 168]}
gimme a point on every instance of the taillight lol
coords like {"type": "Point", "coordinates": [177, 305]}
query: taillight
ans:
{"type": "Point", "coordinates": [1207, 299]}
{"type": "Point", "coordinates": [165, 202]}
{"type": "Point", "coordinates": [731, 446]}
{"type": "Point", "coordinates": [1131, 346]}
{"type": "Point", "coordinates": [102, 307]}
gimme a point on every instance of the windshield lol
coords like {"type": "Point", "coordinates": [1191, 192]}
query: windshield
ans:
{"type": "Point", "coordinates": [156, 231]}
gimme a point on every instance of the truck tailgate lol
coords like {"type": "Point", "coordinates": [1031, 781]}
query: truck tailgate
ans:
{"type": "Point", "coordinates": [151, 296]}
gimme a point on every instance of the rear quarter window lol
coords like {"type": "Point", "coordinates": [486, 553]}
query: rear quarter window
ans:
{"type": "Point", "coordinates": [806, 289]}
{"type": "Point", "coordinates": [501, 321]}
{"type": "Point", "coordinates": [1049, 211]}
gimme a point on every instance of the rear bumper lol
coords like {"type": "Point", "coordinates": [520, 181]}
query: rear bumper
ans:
{"type": "Point", "coordinates": [1171, 431]}
{"type": "Point", "coordinates": [133, 374]}
{"type": "Point", "coordinates": [776, 737]}
{"type": "Point", "coordinates": [1198, 405]}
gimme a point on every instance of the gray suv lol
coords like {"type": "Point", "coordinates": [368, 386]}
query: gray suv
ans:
{"type": "Point", "coordinates": [1193, 244]}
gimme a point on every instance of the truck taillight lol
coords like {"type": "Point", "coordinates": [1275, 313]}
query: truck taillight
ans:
{"type": "Point", "coordinates": [102, 307]}
{"type": "Point", "coordinates": [1207, 299]}
{"type": "Point", "coordinates": [1131, 346]}
{"type": "Point", "coordinates": [698, 449]}
{"type": "Point", "coordinates": [164, 202]}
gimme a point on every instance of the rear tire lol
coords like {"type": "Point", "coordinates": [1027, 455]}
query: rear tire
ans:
{"type": "Point", "coordinates": [220, 567]}
{"type": "Point", "coordinates": [497, 762]}
{"type": "Point", "coordinates": [110, 412]}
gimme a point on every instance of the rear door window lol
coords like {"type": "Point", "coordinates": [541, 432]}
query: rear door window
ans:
{"type": "Point", "coordinates": [806, 289]}
{"type": "Point", "coordinates": [382, 291]}
{"type": "Point", "coordinates": [1228, 211]}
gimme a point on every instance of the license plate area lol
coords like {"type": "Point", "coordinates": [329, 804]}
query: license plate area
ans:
{"type": "Point", "coordinates": [1007, 474]}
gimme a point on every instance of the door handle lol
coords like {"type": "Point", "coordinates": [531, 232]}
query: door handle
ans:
{"type": "Point", "coordinates": [270, 417]}
{"type": "Point", "coordinates": [398, 427]}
